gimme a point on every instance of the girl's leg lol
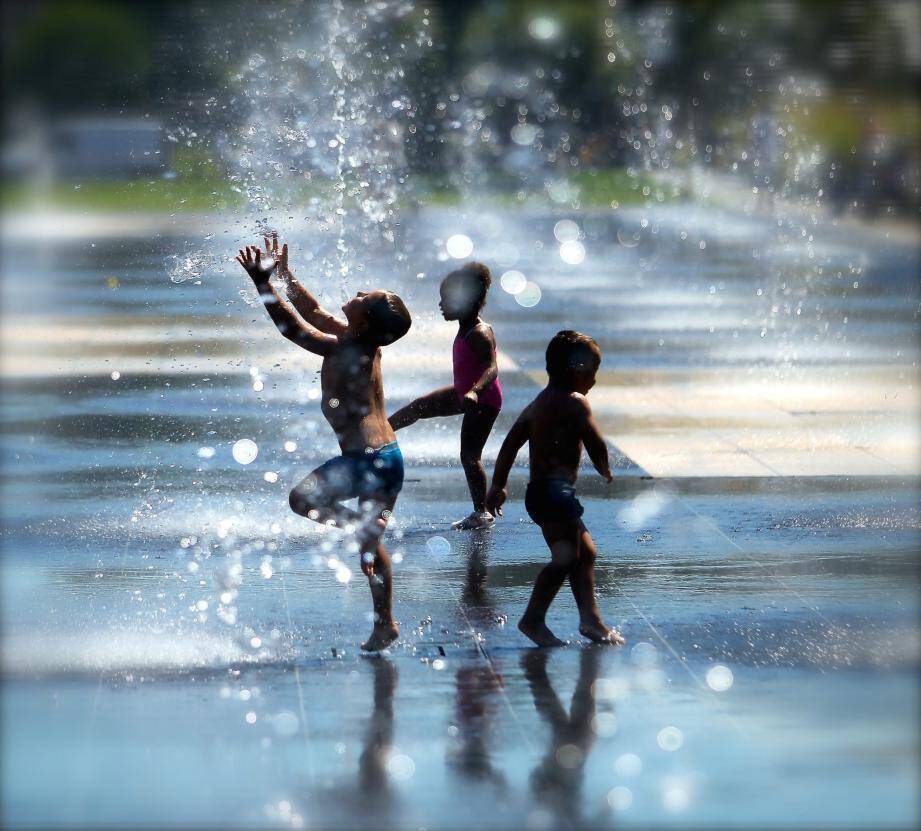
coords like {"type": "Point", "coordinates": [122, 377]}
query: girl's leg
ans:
{"type": "Point", "coordinates": [441, 402]}
{"type": "Point", "coordinates": [475, 429]}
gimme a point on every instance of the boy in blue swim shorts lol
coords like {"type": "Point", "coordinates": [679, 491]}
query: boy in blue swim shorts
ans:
{"type": "Point", "coordinates": [556, 424]}
{"type": "Point", "coordinates": [371, 465]}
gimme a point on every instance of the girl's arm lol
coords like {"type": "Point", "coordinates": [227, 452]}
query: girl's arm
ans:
{"type": "Point", "coordinates": [483, 343]}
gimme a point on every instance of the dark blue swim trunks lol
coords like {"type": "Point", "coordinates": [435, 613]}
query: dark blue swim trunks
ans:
{"type": "Point", "coordinates": [552, 500]}
{"type": "Point", "coordinates": [375, 474]}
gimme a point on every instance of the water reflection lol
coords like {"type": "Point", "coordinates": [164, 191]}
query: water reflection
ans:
{"type": "Point", "coordinates": [556, 782]}
{"type": "Point", "coordinates": [367, 796]}
{"type": "Point", "coordinates": [476, 548]}
{"type": "Point", "coordinates": [477, 699]}
{"type": "Point", "coordinates": [373, 778]}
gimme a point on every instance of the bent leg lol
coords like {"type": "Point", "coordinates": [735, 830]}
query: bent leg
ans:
{"type": "Point", "coordinates": [319, 495]}
{"type": "Point", "coordinates": [582, 583]}
{"type": "Point", "coordinates": [441, 402]}
{"type": "Point", "coordinates": [475, 430]}
{"type": "Point", "coordinates": [563, 541]}
{"type": "Point", "coordinates": [377, 566]}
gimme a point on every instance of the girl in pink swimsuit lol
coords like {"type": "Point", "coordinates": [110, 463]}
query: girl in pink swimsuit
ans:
{"type": "Point", "coordinates": [476, 392]}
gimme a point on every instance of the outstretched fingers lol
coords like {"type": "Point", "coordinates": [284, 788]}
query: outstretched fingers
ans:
{"type": "Point", "coordinates": [271, 246]}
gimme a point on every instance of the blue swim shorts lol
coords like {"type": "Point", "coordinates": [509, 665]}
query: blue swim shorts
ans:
{"type": "Point", "coordinates": [552, 500]}
{"type": "Point", "coordinates": [370, 475]}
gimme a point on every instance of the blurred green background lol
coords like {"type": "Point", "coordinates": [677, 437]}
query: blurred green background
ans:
{"type": "Point", "coordinates": [646, 89]}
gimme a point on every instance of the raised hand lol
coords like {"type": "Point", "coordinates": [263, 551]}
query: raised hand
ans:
{"type": "Point", "coordinates": [281, 257]}
{"type": "Point", "coordinates": [259, 268]}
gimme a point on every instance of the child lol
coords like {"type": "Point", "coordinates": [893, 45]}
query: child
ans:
{"type": "Point", "coordinates": [371, 465]}
{"type": "Point", "coordinates": [476, 392]}
{"type": "Point", "coordinates": [556, 424]}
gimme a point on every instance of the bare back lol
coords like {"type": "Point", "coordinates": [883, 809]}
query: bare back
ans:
{"type": "Point", "coordinates": [353, 396]}
{"type": "Point", "coordinates": [555, 422]}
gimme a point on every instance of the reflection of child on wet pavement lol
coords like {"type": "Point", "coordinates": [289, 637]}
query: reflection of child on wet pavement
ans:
{"type": "Point", "coordinates": [556, 424]}
{"type": "Point", "coordinates": [371, 465]}
{"type": "Point", "coordinates": [556, 781]}
{"type": "Point", "coordinates": [476, 392]}
{"type": "Point", "coordinates": [478, 690]}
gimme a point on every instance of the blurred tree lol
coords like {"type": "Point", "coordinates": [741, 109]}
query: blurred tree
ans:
{"type": "Point", "coordinates": [76, 56]}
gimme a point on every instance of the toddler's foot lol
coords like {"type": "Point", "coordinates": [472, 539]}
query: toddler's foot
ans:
{"type": "Point", "coordinates": [539, 633]}
{"type": "Point", "coordinates": [478, 519]}
{"type": "Point", "coordinates": [595, 630]}
{"type": "Point", "coordinates": [382, 636]}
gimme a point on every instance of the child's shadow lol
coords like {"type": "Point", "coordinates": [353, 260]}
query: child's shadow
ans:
{"type": "Point", "coordinates": [557, 779]}
{"type": "Point", "coordinates": [478, 689]}
{"type": "Point", "coordinates": [366, 797]}
{"type": "Point", "coordinates": [373, 780]}
{"type": "Point", "coordinates": [475, 596]}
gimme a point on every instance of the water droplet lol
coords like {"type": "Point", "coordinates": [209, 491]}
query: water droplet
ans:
{"type": "Point", "coordinates": [620, 798]}
{"type": "Point", "coordinates": [245, 451]}
{"type": "Point", "coordinates": [285, 723]}
{"type": "Point", "coordinates": [524, 134]}
{"type": "Point", "coordinates": [628, 239]}
{"type": "Point", "coordinates": [115, 375]}
{"type": "Point", "coordinates": [675, 798]}
{"type": "Point", "coordinates": [401, 767]}
{"type": "Point", "coordinates": [459, 246]}
{"type": "Point", "coordinates": [529, 296]}
{"type": "Point", "coordinates": [438, 546]}
{"type": "Point", "coordinates": [670, 739]}
{"type": "Point", "coordinates": [513, 282]}
{"type": "Point", "coordinates": [572, 252]}
{"type": "Point", "coordinates": [719, 678]}
{"type": "Point", "coordinates": [544, 28]}
{"type": "Point", "coordinates": [628, 765]}
{"type": "Point", "coordinates": [566, 231]}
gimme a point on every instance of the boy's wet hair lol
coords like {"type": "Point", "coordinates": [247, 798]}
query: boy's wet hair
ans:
{"type": "Point", "coordinates": [569, 352]}
{"type": "Point", "coordinates": [388, 318]}
{"type": "Point", "coordinates": [475, 279]}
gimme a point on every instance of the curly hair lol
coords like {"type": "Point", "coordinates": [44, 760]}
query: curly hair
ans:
{"type": "Point", "coordinates": [569, 352]}
{"type": "Point", "coordinates": [475, 279]}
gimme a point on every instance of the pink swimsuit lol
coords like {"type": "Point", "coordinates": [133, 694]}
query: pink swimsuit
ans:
{"type": "Point", "coordinates": [468, 370]}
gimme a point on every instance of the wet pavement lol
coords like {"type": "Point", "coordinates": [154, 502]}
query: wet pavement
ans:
{"type": "Point", "coordinates": [179, 648]}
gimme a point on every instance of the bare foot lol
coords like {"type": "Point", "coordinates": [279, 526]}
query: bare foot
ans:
{"type": "Point", "coordinates": [478, 519]}
{"type": "Point", "coordinates": [381, 637]}
{"type": "Point", "coordinates": [596, 631]}
{"type": "Point", "coordinates": [539, 633]}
